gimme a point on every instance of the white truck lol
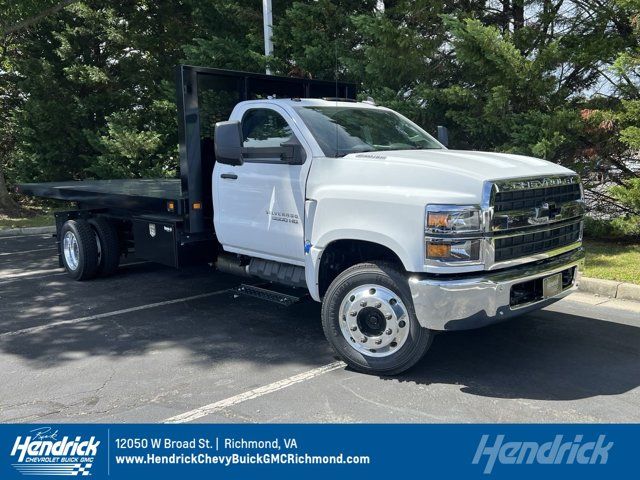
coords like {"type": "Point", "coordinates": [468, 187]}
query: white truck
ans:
{"type": "Point", "coordinates": [397, 236]}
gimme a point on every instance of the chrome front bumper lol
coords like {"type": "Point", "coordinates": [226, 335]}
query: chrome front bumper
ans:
{"type": "Point", "coordinates": [475, 301]}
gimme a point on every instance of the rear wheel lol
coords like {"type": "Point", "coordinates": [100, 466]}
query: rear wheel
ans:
{"type": "Point", "coordinates": [108, 245]}
{"type": "Point", "coordinates": [79, 249]}
{"type": "Point", "coordinates": [368, 317]}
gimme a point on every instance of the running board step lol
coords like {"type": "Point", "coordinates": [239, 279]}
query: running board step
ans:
{"type": "Point", "coordinates": [268, 295]}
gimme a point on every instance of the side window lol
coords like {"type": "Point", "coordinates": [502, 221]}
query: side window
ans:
{"type": "Point", "coordinates": [264, 128]}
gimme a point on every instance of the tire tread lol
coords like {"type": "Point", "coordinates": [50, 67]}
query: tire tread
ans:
{"type": "Point", "coordinates": [109, 243]}
{"type": "Point", "coordinates": [386, 273]}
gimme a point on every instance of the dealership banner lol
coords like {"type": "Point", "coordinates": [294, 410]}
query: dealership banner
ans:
{"type": "Point", "coordinates": [307, 451]}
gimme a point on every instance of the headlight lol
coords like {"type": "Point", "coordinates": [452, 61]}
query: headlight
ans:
{"type": "Point", "coordinates": [447, 219]}
{"type": "Point", "coordinates": [453, 250]}
{"type": "Point", "coordinates": [449, 232]}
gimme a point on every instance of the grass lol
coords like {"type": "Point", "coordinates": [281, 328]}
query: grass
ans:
{"type": "Point", "coordinates": [613, 261]}
{"type": "Point", "coordinates": [34, 218]}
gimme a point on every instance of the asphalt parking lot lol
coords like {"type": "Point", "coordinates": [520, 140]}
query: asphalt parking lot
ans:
{"type": "Point", "coordinates": [152, 344]}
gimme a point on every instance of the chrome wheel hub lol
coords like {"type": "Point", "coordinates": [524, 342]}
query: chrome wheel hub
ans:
{"type": "Point", "coordinates": [71, 250]}
{"type": "Point", "coordinates": [374, 320]}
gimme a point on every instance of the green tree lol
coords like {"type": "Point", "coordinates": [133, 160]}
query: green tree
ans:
{"type": "Point", "coordinates": [16, 18]}
{"type": "Point", "coordinates": [320, 39]}
{"type": "Point", "coordinates": [627, 70]}
{"type": "Point", "coordinates": [228, 34]}
{"type": "Point", "coordinates": [100, 99]}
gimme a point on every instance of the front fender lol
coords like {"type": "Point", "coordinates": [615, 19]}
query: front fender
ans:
{"type": "Point", "coordinates": [314, 255]}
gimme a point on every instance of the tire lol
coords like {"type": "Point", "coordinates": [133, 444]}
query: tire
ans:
{"type": "Point", "coordinates": [394, 340]}
{"type": "Point", "coordinates": [109, 247]}
{"type": "Point", "coordinates": [79, 249]}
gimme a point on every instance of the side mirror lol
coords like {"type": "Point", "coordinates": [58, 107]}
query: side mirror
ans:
{"type": "Point", "coordinates": [228, 143]}
{"type": "Point", "coordinates": [295, 153]}
{"type": "Point", "coordinates": [443, 135]}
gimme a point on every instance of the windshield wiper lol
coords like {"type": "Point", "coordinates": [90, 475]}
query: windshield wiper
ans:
{"type": "Point", "coordinates": [343, 153]}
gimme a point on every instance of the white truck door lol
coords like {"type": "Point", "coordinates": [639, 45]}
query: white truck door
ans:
{"type": "Point", "coordinates": [259, 205]}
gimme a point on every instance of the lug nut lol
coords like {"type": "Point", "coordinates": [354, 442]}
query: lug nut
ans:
{"type": "Point", "coordinates": [402, 323]}
{"type": "Point", "coordinates": [393, 301]}
{"type": "Point", "coordinates": [354, 328]}
{"type": "Point", "coordinates": [388, 331]}
{"type": "Point", "coordinates": [378, 341]}
{"type": "Point", "coordinates": [388, 317]}
{"type": "Point", "coordinates": [378, 305]}
{"type": "Point", "coordinates": [363, 304]}
{"type": "Point", "coordinates": [353, 314]}
{"type": "Point", "coordinates": [363, 339]}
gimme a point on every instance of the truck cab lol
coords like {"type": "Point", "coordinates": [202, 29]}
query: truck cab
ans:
{"type": "Point", "coordinates": [329, 186]}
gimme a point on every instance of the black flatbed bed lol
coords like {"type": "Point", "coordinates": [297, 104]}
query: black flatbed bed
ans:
{"type": "Point", "coordinates": [142, 195]}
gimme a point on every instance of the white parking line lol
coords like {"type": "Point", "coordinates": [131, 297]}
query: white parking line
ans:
{"type": "Point", "coordinates": [255, 393]}
{"type": "Point", "coordinates": [99, 316]}
{"type": "Point", "coordinates": [28, 251]}
{"type": "Point", "coordinates": [35, 274]}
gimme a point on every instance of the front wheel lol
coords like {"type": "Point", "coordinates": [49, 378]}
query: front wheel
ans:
{"type": "Point", "coordinates": [368, 317]}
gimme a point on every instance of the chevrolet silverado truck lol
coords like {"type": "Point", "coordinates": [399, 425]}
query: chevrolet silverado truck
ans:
{"type": "Point", "coordinates": [302, 186]}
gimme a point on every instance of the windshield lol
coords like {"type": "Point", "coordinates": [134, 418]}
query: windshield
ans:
{"type": "Point", "coordinates": [343, 130]}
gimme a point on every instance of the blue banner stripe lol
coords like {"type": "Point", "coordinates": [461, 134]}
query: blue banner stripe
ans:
{"type": "Point", "coordinates": [318, 451]}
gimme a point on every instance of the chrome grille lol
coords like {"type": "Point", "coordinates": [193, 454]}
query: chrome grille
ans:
{"type": "Point", "coordinates": [531, 243]}
{"type": "Point", "coordinates": [523, 199]}
{"type": "Point", "coordinates": [531, 219]}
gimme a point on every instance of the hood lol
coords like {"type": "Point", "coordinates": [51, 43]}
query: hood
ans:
{"type": "Point", "coordinates": [476, 165]}
{"type": "Point", "coordinates": [437, 176]}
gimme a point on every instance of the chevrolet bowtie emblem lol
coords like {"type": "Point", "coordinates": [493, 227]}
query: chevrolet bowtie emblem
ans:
{"type": "Point", "coordinates": [544, 213]}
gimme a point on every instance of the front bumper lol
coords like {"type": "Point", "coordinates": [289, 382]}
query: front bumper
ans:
{"type": "Point", "coordinates": [465, 302]}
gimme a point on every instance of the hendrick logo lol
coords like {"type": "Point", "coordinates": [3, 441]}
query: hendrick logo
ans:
{"type": "Point", "coordinates": [549, 453]}
{"type": "Point", "coordinates": [44, 451]}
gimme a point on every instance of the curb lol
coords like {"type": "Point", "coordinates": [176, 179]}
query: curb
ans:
{"type": "Point", "coordinates": [610, 288]}
{"type": "Point", "coordinates": [12, 232]}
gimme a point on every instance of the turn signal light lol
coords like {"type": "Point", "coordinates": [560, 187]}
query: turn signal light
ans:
{"type": "Point", "coordinates": [438, 250]}
{"type": "Point", "coordinates": [197, 206]}
{"type": "Point", "coordinates": [171, 206]}
{"type": "Point", "coordinates": [437, 220]}
{"type": "Point", "coordinates": [449, 219]}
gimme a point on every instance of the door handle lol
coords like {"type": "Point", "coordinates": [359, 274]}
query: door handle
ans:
{"type": "Point", "coordinates": [230, 176]}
